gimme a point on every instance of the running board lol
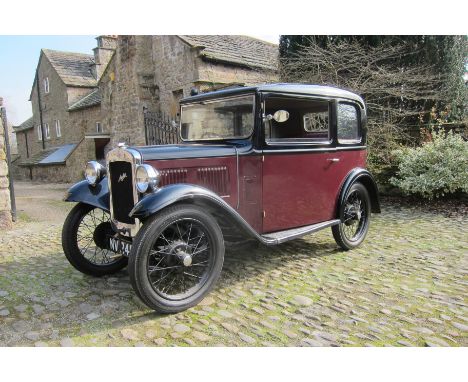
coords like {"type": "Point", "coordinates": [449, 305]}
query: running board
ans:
{"type": "Point", "coordinates": [282, 236]}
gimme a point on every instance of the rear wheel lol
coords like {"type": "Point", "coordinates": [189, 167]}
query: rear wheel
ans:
{"type": "Point", "coordinates": [176, 258]}
{"type": "Point", "coordinates": [356, 218]}
{"type": "Point", "coordinates": [84, 239]}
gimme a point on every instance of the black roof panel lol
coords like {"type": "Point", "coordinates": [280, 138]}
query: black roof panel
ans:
{"type": "Point", "coordinates": [304, 89]}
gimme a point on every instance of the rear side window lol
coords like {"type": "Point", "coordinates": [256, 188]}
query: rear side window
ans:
{"type": "Point", "coordinates": [348, 124]}
{"type": "Point", "coordinates": [308, 121]}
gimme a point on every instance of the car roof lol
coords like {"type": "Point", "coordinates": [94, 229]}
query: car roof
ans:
{"type": "Point", "coordinates": [287, 88]}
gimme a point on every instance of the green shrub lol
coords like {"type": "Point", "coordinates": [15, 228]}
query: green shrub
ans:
{"type": "Point", "coordinates": [438, 167]}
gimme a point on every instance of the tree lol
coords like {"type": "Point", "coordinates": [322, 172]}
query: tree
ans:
{"type": "Point", "coordinates": [402, 79]}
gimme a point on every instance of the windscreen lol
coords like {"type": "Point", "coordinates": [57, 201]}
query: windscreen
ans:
{"type": "Point", "coordinates": [227, 118]}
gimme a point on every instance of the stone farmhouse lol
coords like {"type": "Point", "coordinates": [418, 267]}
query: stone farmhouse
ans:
{"type": "Point", "coordinates": [83, 105]}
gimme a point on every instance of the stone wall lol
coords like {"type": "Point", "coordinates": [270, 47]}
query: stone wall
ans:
{"type": "Point", "coordinates": [83, 121]}
{"type": "Point", "coordinates": [178, 68]}
{"type": "Point", "coordinates": [126, 87]}
{"type": "Point", "coordinates": [175, 68]}
{"type": "Point", "coordinates": [156, 72]}
{"type": "Point", "coordinates": [5, 206]}
{"type": "Point", "coordinates": [54, 107]}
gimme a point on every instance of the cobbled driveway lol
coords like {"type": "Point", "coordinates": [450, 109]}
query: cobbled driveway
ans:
{"type": "Point", "coordinates": [406, 286]}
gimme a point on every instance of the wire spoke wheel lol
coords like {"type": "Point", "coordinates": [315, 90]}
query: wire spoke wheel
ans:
{"type": "Point", "coordinates": [355, 213]}
{"type": "Point", "coordinates": [180, 259]}
{"type": "Point", "coordinates": [354, 217]}
{"type": "Point", "coordinates": [91, 238]}
{"type": "Point", "coordinates": [176, 258]}
{"type": "Point", "coordinates": [84, 240]}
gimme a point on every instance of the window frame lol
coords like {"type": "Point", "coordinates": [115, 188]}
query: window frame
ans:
{"type": "Point", "coordinates": [289, 143]}
{"type": "Point", "coordinates": [98, 130]}
{"type": "Point", "coordinates": [220, 99]}
{"type": "Point", "coordinates": [347, 142]}
{"type": "Point", "coordinates": [47, 131]}
{"type": "Point", "coordinates": [39, 132]}
{"type": "Point", "coordinates": [46, 85]}
{"type": "Point", "coordinates": [58, 128]}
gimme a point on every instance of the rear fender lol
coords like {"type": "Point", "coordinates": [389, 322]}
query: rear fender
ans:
{"type": "Point", "coordinates": [83, 192]}
{"type": "Point", "coordinates": [365, 177]}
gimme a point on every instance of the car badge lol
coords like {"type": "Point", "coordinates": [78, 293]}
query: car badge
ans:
{"type": "Point", "coordinates": [122, 177]}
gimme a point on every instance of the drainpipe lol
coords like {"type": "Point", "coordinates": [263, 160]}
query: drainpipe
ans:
{"type": "Point", "coordinates": [40, 108]}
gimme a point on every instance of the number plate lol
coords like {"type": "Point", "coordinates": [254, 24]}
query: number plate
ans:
{"type": "Point", "coordinates": [120, 246]}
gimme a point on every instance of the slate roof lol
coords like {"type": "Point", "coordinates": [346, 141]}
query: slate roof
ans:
{"type": "Point", "coordinates": [73, 68]}
{"type": "Point", "coordinates": [26, 125]}
{"type": "Point", "coordinates": [53, 155]}
{"type": "Point", "coordinates": [92, 99]}
{"type": "Point", "coordinates": [238, 50]}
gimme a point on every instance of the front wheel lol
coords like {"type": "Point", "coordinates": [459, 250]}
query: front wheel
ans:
{"type": "Point", "coordinates": [355, 211]}
{"type": "Point", "coordinates": [176, 258]}
{"type": "Point", "coordinates": [84, 236]}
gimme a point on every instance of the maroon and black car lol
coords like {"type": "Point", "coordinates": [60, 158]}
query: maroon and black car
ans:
{"type": "Point", "coordinates": [268, 163]}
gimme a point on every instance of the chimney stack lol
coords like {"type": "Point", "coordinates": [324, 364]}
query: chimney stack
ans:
{"type": "Point", "coordinates": [102, 53]}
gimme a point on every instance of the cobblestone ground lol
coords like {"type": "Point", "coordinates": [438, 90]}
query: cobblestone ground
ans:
{"type": "Point", "coordinates": [406, 286]}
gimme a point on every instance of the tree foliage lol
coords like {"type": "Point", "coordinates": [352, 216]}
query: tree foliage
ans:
{"type": "Point", "coordinates": [405, 81]}
{"type": "Point", "coordinates": [436, 168]}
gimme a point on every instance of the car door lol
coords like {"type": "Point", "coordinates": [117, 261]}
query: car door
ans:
{"type": "Point", "coordinates": [300, 163]}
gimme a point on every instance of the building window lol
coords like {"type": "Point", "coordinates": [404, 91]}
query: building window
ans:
{"type": "Point", "coordinates": [39, 133]}
{"type": "Point", "coordinates": [46, 130]}
{"type": "Point", "coordinates": [57, 128]}
{"type": "Point", "coordinates": [46, 85]}
{"type": "Point", "coordinates": [98, 127]}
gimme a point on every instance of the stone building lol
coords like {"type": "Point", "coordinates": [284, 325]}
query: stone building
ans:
{"type": "Point", "coordinates": [48, 141]}
{"type": "Point", "coordinates": [5, 206]}
{"type": "Point", "coordinates": [97, 101]}
{"type": "Point", "coordinates": [155, 72]}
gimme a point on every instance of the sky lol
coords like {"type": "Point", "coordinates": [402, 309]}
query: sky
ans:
{"type": "Point", "coordinates": [18, 61]}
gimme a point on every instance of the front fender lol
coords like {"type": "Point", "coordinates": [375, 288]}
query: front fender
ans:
{"type": "Point", "coordinates": [173, 193]}
{"type": "Point", "coordinates": [365, 177]}
{"type": "Point", "coordinates": [83, 192]}
{"type": "Point", "coordinates": [190, 193]}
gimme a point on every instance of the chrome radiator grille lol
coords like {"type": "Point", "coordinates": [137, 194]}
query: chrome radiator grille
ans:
{"type": "Point", "coordinates": [121, 178]}
{"type": "Point", "coordinates": [121, 169]}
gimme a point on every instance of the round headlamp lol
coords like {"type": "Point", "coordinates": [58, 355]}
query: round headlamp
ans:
{"type": "Point", "coordinates": [147, 178]}
{"type": "Point", "coordinates": [94, 172]}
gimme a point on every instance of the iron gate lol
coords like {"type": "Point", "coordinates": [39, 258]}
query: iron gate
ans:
{"type": "Point", "coordinates": [160, 128]}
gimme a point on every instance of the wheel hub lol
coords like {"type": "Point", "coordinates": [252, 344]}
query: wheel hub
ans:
{"type": "Point", "coordinates": [354, 212]}
{"type": "Point", "coordinates": [101, 232]}
{"type": "Point", "coordinates": [182, 251]}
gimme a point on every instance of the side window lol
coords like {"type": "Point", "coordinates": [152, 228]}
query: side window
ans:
{"type": "Point", "coordinates": [46, 130]}
{"type": "Point", "coordinates": [57, 128]}
{"type": "Point", "coordinates": [348, 124]}
{"type": "Point", "coordinates": [308, 121]}
{"type": "Point", "coordinates": [46, 85]}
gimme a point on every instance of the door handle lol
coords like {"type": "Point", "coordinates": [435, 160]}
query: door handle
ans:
{"type": "Point", "coordinates": [333, 159]}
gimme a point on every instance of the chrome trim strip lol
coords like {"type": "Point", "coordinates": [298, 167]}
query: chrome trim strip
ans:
{"type": "Point", "coordinates": [314, 150]}
{"type": "Point", "coordinates": [283, 236]}
{"type": "Point", "coordinates": [132, 156]}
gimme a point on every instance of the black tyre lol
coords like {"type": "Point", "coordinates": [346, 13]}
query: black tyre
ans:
{"type": "Point", "coordinates": [176, 258]}
{"type": "Point", "coordinates": [83, 240]}
{"type": "Point", "coordinates": [356, 210]}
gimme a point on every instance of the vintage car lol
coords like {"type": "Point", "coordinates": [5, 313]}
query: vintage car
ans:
{"type": "Point", "coordinates": [268, 164]}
